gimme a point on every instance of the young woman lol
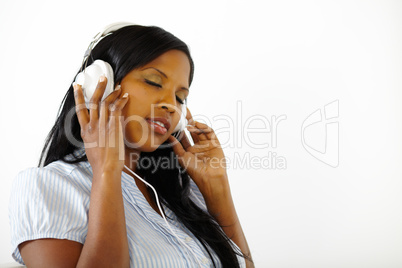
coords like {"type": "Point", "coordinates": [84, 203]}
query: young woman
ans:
{"type": "Point", "coordinates": [84, 207]}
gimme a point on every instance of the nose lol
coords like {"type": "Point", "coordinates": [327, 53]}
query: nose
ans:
{"type": "Point", "coordinates": [168, 107]}
{"type": "Point", "coordinates": [168, 102]}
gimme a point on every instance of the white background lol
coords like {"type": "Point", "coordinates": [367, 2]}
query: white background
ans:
{"type": "Point", "coordinates": [274, 58]}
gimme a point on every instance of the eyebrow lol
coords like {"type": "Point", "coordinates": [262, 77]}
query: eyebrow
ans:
{"type": "Point", "coordinates": [162, 73]}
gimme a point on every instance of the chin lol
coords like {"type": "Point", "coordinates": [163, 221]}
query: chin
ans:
{"type": "Point", "coordinates": [147, 149]}
{"type": "Point", "coordinates": [150, 145]}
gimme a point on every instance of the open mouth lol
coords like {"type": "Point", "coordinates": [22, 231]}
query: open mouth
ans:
{"type": "Point", "coordinates": [159, 125]}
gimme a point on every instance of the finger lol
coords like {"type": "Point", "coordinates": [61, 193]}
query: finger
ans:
{"type": "Point", "coordinates": [114, 95]}
{"type": "Point", "coordinates": [110, 101]}
{"type": "Point", "coordinates": [204, 133]}
{"type": "Point", "coordinates": [80, 108]}
{"type": "Point", "coordinates": [96, 98]}
{"type": "Point", "coordinates": [186, 159]}
{"type": "Point", "coordinates": [180, 152]}
{"type": "Point", "coordinates": [115, 120]}
{"type": "Point", "coordinates": [185, 142]}
{"type": "Point", "coordinates": [191, 122]}
{"type": "Point", "coordinates": [176, 145]}
{"type": "Point", "coordinates": [199, 131]}
{"type": "Point", "coordinates": [189, 117]}
{"type": "Point", "coordinates": [194, 135]}
{"type": "Point", "coordinates": [207, 130]}
{"type": "Point", "coordinates": [107, 105]}
{"type": "Point", "coordinates": [118, 105]}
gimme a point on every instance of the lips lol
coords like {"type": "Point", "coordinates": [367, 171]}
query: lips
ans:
{"type": "Point", "coordinates": [159, 125]}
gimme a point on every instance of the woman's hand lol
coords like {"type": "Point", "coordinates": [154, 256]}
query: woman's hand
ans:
{"type": "Point", "coordinates": [204, 161]}
{"type": "Point", "coordinates": [101, 127]}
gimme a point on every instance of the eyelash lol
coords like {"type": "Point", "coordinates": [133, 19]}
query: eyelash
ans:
{"type": "Point", "coordinates": [159, 86]}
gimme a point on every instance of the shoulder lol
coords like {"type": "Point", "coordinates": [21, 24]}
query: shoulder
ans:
{"type": "Point", "coordinates": [50, 202]}
{"type": "Point", "coordinates": [34, 189]}
{"type": "Point", "coordinates": [54, 175]}
{"type": "Point", "coordinates": [56, 182]}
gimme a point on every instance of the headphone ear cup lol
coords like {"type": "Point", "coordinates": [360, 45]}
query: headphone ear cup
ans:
{"type": "Point", "coordinates": [89, 79]}
{"type": "Point", "coordinates": [183, 121]}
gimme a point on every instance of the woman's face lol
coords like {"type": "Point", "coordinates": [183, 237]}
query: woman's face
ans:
{"type": "Point", "coordinates": [155, 92]}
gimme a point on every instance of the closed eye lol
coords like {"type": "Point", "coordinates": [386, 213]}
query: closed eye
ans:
{"type": "Point", "coordinates": [179, 100]}
{"type": "Point", "coordinates": [160, 86]}
{"type": "Point", "coordinates": [152, 83]}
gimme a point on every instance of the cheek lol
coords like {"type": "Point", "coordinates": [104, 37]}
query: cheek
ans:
{"type": "Point", "coordinates": [137, 93]}
{"type": "Point", "coordinates": [134, 113]}
{"type": "Point", "coordinates": [136, 132]}
{"type": "Point", "coordinates": [177, 115]}
{"type": "Point", "coordinates": [139, 102]}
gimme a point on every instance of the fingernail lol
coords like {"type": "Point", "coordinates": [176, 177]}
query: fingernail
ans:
{"type": "Point", "coordinates": [75, 86]}
{"type": "Point", "coordinates": [117, 87]}
{"type": "Point", "coordinates": [125, 95]}
{"type": "Point", "coordinates": [102, 78]}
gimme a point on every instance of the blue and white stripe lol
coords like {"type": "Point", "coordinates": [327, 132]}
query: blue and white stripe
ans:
{"type": "Point", "coordinates": [53, 202]}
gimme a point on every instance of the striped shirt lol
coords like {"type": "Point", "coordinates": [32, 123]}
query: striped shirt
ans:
{"type": "Point", "coordinates": [53, 202]}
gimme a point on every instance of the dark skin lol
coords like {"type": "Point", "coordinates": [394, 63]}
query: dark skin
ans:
{"type": "Point", "coordinates": [137, 97]}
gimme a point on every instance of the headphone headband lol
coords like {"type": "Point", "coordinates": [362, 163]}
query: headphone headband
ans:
{"type": "Point", "coordinates": [111, 28]}
{"type": "Point", "coordinates": [106, 31]}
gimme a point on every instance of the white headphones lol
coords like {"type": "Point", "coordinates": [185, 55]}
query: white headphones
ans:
{"type": "Point", "coordinates": [89, 77]}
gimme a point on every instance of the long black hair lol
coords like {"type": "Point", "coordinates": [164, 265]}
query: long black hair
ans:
{"type": "Point", "coordinates": [126, 49]}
